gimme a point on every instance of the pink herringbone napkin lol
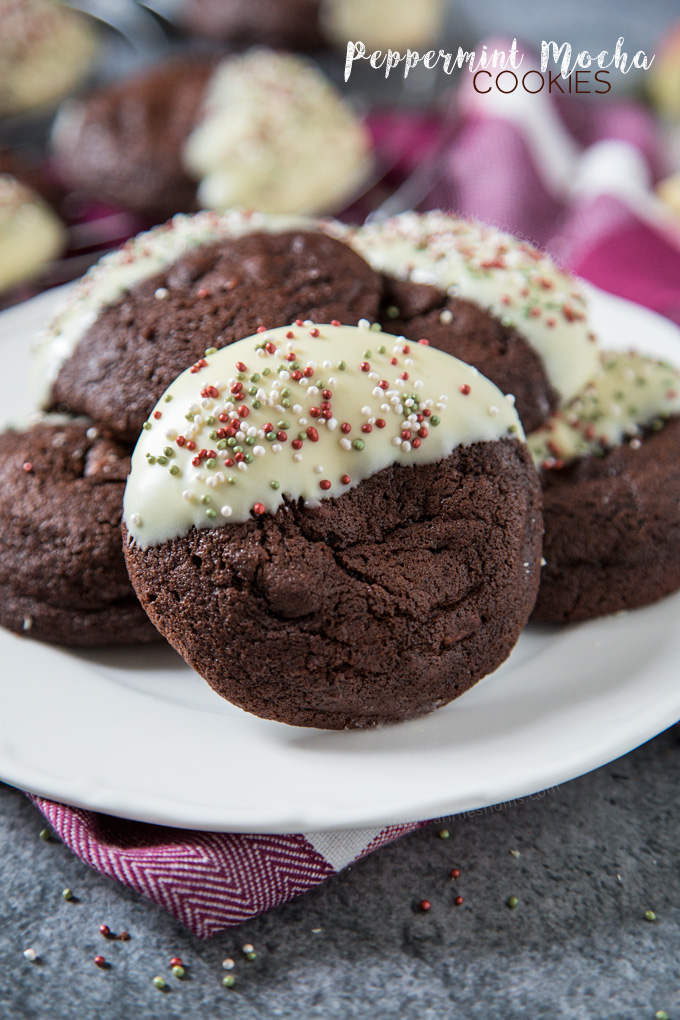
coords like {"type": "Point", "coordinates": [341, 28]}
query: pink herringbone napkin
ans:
{"type": "Point", "coordinates": [583, 193]}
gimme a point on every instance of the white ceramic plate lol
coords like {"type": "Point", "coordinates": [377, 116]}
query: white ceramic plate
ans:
{"type": "Point", "coordinates": [138, 734]}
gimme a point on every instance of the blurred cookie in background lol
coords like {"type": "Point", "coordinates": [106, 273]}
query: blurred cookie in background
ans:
{"type": "Point", "coordinates": [263, 130]}
{"type": "Point", "coordinates": [31, 234]}
{"type": "Point", "coordinates": [46, 49]}
{"type": "Point", "coordinates": [394, 24]}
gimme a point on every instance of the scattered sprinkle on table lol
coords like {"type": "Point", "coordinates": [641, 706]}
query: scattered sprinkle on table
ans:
{"type": "Point", "coordinates": [228, 963]}
{"type": "Point", "coordinates": [455, 873]}
{"type": "Point", "coordinates": [444, 833]}
{"type": "Point", "coordinates": [30, 955]}
{"type": "Point", "coordinates": [458, 901]}
{"type": "Point", "coordinates": [425, 905]}
{"type": "Point", "coordinates": [512, 902]}
{"type": "Point", "coordinates": [67, 894]}
{"type": "Point", "coordinates": [228, 980]}
{"type": "Point", "coordinates": [44, 834]}
{"type": "Point", "coordinates": [650, 915]}
{"type": "Point", "coordinates": [515, 853]}
{"type": "Point", "coordinates": [160, 983]}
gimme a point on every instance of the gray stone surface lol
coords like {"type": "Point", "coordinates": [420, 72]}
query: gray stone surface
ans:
{"type": "Point", "coordinates": [595, 854]}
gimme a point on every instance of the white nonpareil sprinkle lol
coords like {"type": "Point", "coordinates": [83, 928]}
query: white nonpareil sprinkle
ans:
{"type": "Point", "coordinates": [135, 520]}
{"type": "Point", "coordinates": [345, 444]}
{"type": "Point", "coordinates": [28, 622]}
{"type": "Point", "coordinates": [366, 411]}
{"type": "Point", "coordinates": [446, 316]}
{"type": "Point", "coordinates": [161, 293]}
{"type": "Point", "coordinates": [30, 955]}
{"type": "Point", "coordinates": [188, 495]}
{"type": "Point", "coordinates": [92, 433]}
{"type": "Point", "coordinates": [228, 964]}
{"type": "Point", "coordinates": [318, 469]}
{"type": "Point", "coordinates": [258, 451]}
{"type": "Point", "coordinates": [226, 512]}
{"type": "Point", "coordinates": [493, 410]}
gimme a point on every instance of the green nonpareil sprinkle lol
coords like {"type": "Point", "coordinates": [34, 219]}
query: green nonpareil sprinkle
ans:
{"type": "Point", "coordinates": [158, 981]}
{"type": "Point", "coordinates": [286, 392]}
{"type": "Point", "coordinates": [211, 462]}
{"type": "Point", "coordinates": [285, 402]}
{"type": "Point", "coordinates": [174, 470]}
{"type": "Point", "coordinates": [381, 349]}
{"type": "Point", "coordinates": [435, 419]}
{"type": "Point", "coordinates": [146, 426]}
{"type": "Point", "coordinates": [167, 398]}
{"type": "Point", "coordinates": [283, 424]}
{"type": "Point", "coordinates": [358, 444]}
{"type": "Point", "coordinates": [392, 312]}
{"type": "Point", "coordinates": [368, 353]}
{"type": "Point", "coordinates": [266, 371]}
{"type": "Point", "coordinates": [443, 833]}
{"type": "Point", "coordinates": [210, 420]}
{"type": "Point", "coordinates": [250, 440]}
{"type": "Point", "coordinates": [211, 513]}
{"type": "Point", "coordinates": [271, 436]}
{"type": "Point", "coordinates": [228, 980]}
{"type": "Point", "coordinates": [169, 452]}
{"type": "Point", "coordinates": [376, 328]}
{"type": "Point", "coordinates": [211, 350]}
{"type": "Point", "coordinates": [342, 365]}
{"type": "Point", "coordinates": [257, 404]}
{"type": "Point", "coordinates": [512, 902]}
{"type": "Point", "coordinates": [255, 377]}
{"type": "Point", "coordinates": [249, 458]}
{"type": "Point", "coordinates": [252, 390]}
{"type": "Point", "coordinates": [205, 499]}
{"type": "Point", "coordinates": [67, 894]}
{"type": "Point", "coordinates": [275, 485]}
{"type": "Point", "coordinates": [162, 460]}
{"type": "Point", "coordinates": [650, 915]}
{"type": "Point", "coordinates": [222, 444]}
{"type": "Point", "coordinates": [251, 956]}
{"type": "Point", "coordinates": [150, 458]}
{"type": "Point", "coordinates": [178, 971]}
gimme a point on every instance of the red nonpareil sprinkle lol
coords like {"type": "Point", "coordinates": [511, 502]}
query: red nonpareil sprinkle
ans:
{"type": "Point", "coordinates": [240, 367]}
{"type": "Point", "coordinates": [404, 375]}
{"type": "Point", "coordinates": [383, 384]}
{"type": "Point", "coordinates": [196, 461]}
{"type": "Point", "coordinates": [425, 905]}
{"type": "Point", "coordinates": [394, 361]}
{"type": "Point", "coordinates": [223, 417]}
{"type": "Point", "coordinates": [243, 411]}
{"type": "Point", "coordinates": [237, 387]}
{"type": "Point", "coordinates": [176, 961]}
{"type": "Point", "coordinates": [324, 484]}
{"type": "Point", "coordinates": [291, 356]}
{"type": "Point", "coordinates": [569, 313]}
{"type": "Point", "coordinates": [290, 334]}
{"type": "Point", "coordinates": [427, 412]}
{"type": "Point", "coordinates": [458, 901]}
{"type": "Point", "coordinates": [180, 440]}
{"type": "Point", "coordinates": [415, 443]}
{"type": "Point", "coordinates": [104, 930]}
{"type": "Point", "coordinates": [423, 433]}
{"type": "Point", "coordinates": [505, 299]}
{"type": "Point", "coordinates": [157, 415]}
{"type": "Point", "coordinates": [99, 961]}
{"type": "Point", "coordinates": [261, 329]}
{"type": "Point", "coordinates": [335, 322]}
{"type": "Point", "coordinates": [345, 427]}
{"type": "Point", "coordinates": [312, 434]}
{"type": "Point", "coordinates": [365, 367]}
{"type": "Point", "coordinates": [424, 341]}
{"type": "Point", "coordinates": [259, 508]}
{"type": "Point", "coordinates": [535, 312]}
{"type": "Point", "coordinates": [314, 332]}
{"type": "Point", "coordinates": [210, 391]}
{"type": "Point", "coordinates": [406, 349]}
{"type": "Point", "coordinates": [27, 466]}
{"type": "Point", "coordinates": [345, 479]}
{"type": "Point", "coordinates": [455, 873]}
{"type": "Point", "coordinates": [327, 394]}
{"type": "Point", "coordinates": [315, 411]}
{"type": "Point", "coordinates": [296, 375]}
{"type": "Point", "coordinates": [282, 436]}
{"type": "Point", "coordinates": [405, 434]}
{"type": "Point", "coordinates": [380, 423]}
{"type": "Point", "coordinates": [327, 413]}
{"type": "Point", "coordinates": [239, 457]}
{"type": "Point", "coordinates": [229, 462]}
{"type": "Point", "coordinates": [309, 372]}
{"type": "Point", "coordinates": [268, 427]}
{"type": "Point", "coordinates": [299, 322]}
{"type": "Point", "coordinates": [465, 389]}
{"type": "Point", "coordinates": [366, 428]}
{"type": "Point", "coordinates": [191, 445]}
{"type": "Point", "coordinates": [297, 444]}
{"type": "Point", "coordinates": [202, 292]}
{"type": "Point", "coordinates": [270, 348]}
{"type": "Point", "coordinates": [551, 322]}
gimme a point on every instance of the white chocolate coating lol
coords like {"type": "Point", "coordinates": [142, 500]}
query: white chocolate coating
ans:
{"type": "Point", "coordinates": [209, 455]}
{"type": "Point", "coordinates": [45, 49]}
{"type": "Point", "coordinates": [116, 274]}
{"type": "Point", "coordinates": [627, 393]}
{"type": "Point", "coordinates": [512, 279]}
{"type": "Point", "coordinates": [275, 135]}
{"type": "Point", "coordinates": [30, 233]}
{"type": "Point", "coordinates": [382, 24]}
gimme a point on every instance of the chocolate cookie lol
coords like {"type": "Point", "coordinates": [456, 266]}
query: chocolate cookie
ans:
{"type": "Point", "coordinates": [123, 144]}
{"type": "Point", "coordinates": [258, 130]}
{"type": "Point", "coordinates": [211, 296]}
{"type": "Point", "coordinates": [366, 558]}
{"type": "Point", "coordinates": [293, 23]}
{"type": "Point", "coordinates": [486, 297]}
{"type": "Point", "coordinates": [468, 332]}
{"type": "Point", "coordinates": [62, 573]}
{"type": "Point", "coordinates": [611, 493]}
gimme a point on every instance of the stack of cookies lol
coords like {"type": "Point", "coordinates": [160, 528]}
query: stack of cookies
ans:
{"type": "Point", "coordinates": [333, 511]}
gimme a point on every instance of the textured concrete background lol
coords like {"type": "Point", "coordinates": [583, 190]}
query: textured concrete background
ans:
{"type": "Point", "coordinates": [594, 856]}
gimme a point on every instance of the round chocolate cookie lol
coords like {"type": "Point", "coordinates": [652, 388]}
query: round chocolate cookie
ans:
{"type": "Point", "coordinates": [293, 23]}
{"type": "Point", "coordinates": [124, 143]}
{"type": "Point", "coordinates": [212, 295]}
{"type": "Point", "coordinates": [469, 332]}
{"type": "Point", "coordinates": [377, 606]}
{"type": "Point", "coordinates": [62, 572]}
{"type": "Point", "coordinates": [611, 492]}
{"type": "Point", "coordinates": [366, 558]}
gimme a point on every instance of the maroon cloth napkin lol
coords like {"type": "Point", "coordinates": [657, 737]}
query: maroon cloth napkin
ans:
{"type": "Point", "coordinates": [596, 215]}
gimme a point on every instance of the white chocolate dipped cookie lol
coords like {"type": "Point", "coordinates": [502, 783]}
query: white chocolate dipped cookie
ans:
{"type": "Point", "coordinates": [335, 527]}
